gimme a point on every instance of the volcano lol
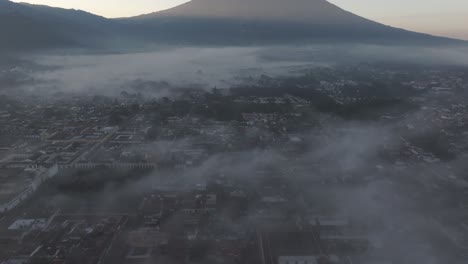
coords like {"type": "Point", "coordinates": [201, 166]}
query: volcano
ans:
{"type": "Point", "coordinates": [198, 22]}
{"type": "Point", "coordinates": [305, 11]}
{"type": "Point", "coordinates": [271, 21]}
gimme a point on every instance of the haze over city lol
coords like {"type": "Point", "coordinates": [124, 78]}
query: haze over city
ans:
{"type": "Point", "coordinates": [233, 132]}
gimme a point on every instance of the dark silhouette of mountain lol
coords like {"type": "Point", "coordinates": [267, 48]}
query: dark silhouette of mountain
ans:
{"type": "Point", "coordinates": [271, 21]}
{"type": "Point", "coordinates": [212, 22]}
{"type": "Point", "coordinates": [306, 11]}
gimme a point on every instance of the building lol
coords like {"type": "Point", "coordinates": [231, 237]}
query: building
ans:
{"type": "Point", "coordinates": [17, 185]}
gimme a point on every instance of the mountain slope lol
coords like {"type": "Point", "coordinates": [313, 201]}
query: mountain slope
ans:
{"type": "Point", "coordinates": [306, 11]}
{"type": "Point", "coordinates": [18, 30]}
{"type": "Point", "coordinates": [270, 21]}
{"type": "Point", "coordinates": [29, 27]}
{"type": "Point", "coordinates": [198, 22]}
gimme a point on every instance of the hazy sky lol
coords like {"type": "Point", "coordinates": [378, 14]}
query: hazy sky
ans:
{"type": "Point", "coordinates": [440, 17]}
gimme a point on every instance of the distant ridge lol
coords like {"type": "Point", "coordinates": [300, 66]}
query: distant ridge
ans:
{"type": "Point", "coordinates": [31, 27]}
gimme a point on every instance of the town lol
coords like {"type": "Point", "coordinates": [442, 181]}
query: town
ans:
{"type": "Point", "coordinates": [321, 167]}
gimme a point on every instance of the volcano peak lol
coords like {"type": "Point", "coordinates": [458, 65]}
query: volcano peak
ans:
{"type": "Point", "coordinates": [308, 11]}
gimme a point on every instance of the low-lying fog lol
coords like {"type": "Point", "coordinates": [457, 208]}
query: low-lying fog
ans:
{"type": "Point", "coordinates": [204, 67]}
{"type": "Point", "coordinates": [353, 150]}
